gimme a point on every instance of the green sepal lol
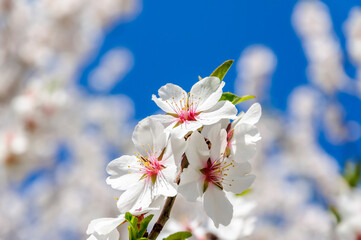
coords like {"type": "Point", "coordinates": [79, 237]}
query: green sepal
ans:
{"type": "Point", "coordinates": [134, 223]}
{"type": "Point", "coordinates": [153, 178]}
{"type": "Point", "coordinates": [133, 228]}
{"type": "Point", "coordinates": [352, 173]}
{"type": "Point", "coordinates": [221, 71]}
{"type": "Point", "coordinates": [244, 193]}
{"type": "Point", "coordinates": [205, 186]}
{"type": "Point", "coordinates": [337, 215]}
{"type": "Point", "coordinates": [132, 233]}
{"type": "Point", "coordinates": [143, 225]}
{"type": "Point", "coordinates": [128, 216]}
{"type": "Point", "coordinates": [179, 236]}
{"type": "Point", "coordinates": [234, 98]}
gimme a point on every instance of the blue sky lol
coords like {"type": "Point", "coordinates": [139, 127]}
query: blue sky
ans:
{"type": "Point", "coordinates": [177, 41]}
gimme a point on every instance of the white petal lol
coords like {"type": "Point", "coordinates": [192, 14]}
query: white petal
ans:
{"type": "Point", "coordinates": [224, 124]}
{"type": "Point", "coordinates": [222, 110]}
{"type": "Point", "coordinates": [149, 136]}
{"type": "Point", "coordinates": [139, 196]}
{"type": "Point", "coordinates": [244, 142]}
{"type": "Point", "coordinates": [124, 172]}
{"type": "Point", "coordinates": [197, 152]}
{"type": "Point", "coordinates": [124, 182]}
{"type": "Point", "coordinates": [171, 91]}
{"type": "Point", "coordinates": [191, 184]}
{"type": "Point", "coordinates": [123, 165]}
{"type": "Point", "coordinates": [253, 114]}
{"type": "Point", "coordinates": [113, 235]}
{"type": "Point", "coordinates": [206, 93]}
{"type": "Point", "coordinates": [104, 226]}
{"type": "Point", "coordinates": [181, 130]}
{"type": "Point", "coordinates": [217, 206]}
{"type": "Point", "coordinates": [165, 106]}
{"type": "Point", "coordinates": [170, 96]}
{"type": "Point", "coordinates": [237, 169]}
{"type": "Point", "coordinates": [178, 148]}
{"type": "Point", "coordinates": [164, 184]}
{"type": "Point", "coordinates": [239, 184]}
{"type": "Point", "coordinates": [218, 138]}
{"type": "Point", "coordinates": [164, 119]}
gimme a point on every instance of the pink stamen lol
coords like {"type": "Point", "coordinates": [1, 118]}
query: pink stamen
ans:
{"type": "Point", "coordinates": [215, 171]}
{"type": "Point", "coordinates": [212, 172]}
{"type": "Point", "coordinates": [186, 109]}
{"type": "Point", "coordinates": [152, 166]}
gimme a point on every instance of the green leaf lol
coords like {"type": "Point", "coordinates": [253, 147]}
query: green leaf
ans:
{"type": "Point", "coordinates": [221, 71]}
{"type": "Point", "coordinates": [199, 78]}
{"type": "Point", "coordinates": [352, 173]}
{"type": "Point", "coordinates": [234, 98]}
{"type": "Point", "coordinates": [144, 224]}
{"type": "Point", "coordinates": [179, 236]}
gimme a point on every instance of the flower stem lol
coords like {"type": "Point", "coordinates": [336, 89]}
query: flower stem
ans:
{"type": "Point", "coordinates": [167, 208]}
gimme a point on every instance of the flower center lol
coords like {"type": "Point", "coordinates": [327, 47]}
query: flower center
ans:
{"type": "Point", "coordinates": [185, 109]}
{"type": "Point", "coordinates": [152, 166]}
{"type": "Point", "coordinates": [212, 173]}
{"type": "Point", "coordinates": [187, 115]}
{"type": "Point", "coordinates": [216, 173]}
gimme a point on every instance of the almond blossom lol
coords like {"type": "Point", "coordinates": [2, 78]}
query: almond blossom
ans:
{"type": "Point", "coordinates": [151, 172]}
{"type": "Point", "coordinates": [210, 174]}
{"type": "Point", "coordinates": [242, 134]}
{"type": "Point", "coordinates": [188, 112]}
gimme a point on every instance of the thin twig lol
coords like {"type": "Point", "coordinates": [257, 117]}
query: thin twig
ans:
{"type": "Point", "coordinates": [164, 216]}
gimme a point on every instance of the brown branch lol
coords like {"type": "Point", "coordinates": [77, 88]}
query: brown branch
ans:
{"type": "Point", "coordinates": [167, 208]}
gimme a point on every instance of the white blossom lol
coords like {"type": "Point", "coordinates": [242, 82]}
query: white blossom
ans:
{"type": "Point", "coordinates": [151, 172]}
{"type": "Point", "coordinates": [210, 174]}
{"type": "Point", "coordinates": [188, 112]}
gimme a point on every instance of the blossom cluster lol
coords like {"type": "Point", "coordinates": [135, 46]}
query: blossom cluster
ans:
{"type": "Point", "coordinates": [47, 119]}
{"type": "Point", "coordinates": [200, 148]}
